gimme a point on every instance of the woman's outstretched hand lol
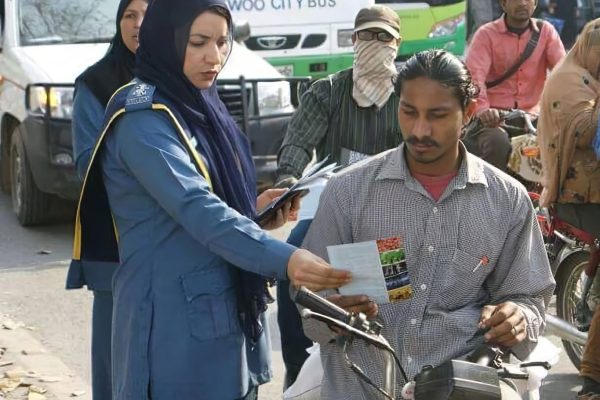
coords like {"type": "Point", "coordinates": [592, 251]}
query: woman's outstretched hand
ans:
{"type": "Point", "coordinates": [307, 269]}
{"type": "Point", "coordinates": [289, 212]}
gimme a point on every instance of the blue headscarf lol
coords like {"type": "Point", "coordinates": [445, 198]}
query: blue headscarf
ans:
{"type": "Point", "coordinates": [160, 57]}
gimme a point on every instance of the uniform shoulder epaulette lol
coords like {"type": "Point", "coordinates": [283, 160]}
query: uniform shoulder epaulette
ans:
{"type": "Point", "coordinates": [139, 97]}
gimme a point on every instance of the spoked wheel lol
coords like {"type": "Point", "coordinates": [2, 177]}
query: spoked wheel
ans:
{"type": "Point", "coordinates": [569, 306]}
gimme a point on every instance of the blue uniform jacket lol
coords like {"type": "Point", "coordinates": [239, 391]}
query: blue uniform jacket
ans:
{"type": "Point", "coordinates": [176, 330]}
{"type": "Point", "coordinates": [88, 117]}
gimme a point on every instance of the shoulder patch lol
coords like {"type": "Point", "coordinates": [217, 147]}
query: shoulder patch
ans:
{"type": "Point", "coordinates": [140, 97]}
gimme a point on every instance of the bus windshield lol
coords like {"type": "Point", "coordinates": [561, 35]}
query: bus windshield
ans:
{"type": "Point", "coordinates": [66, 21]}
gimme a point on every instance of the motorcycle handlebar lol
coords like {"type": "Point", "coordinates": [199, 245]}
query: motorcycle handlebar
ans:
{"type": "Point", "coordinates": [504, 115]}
{"type": "Point", "coordinates": [356, 325]}
{"type": "Point", "coordinates": [486, 356]}
{"type": "Point", "coordinates": [317, 304]}
{"type": "Point", "coordinates": [325, 311]}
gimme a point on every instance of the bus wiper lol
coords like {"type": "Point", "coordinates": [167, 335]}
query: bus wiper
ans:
{"type": "Point", "coordinates": [45, 40]}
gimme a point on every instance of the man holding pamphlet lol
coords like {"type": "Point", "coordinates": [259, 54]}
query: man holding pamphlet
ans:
{"type": "Point", "coordinates": [347, 117]}
{"type": "Point", "coordinates": [444, 248]}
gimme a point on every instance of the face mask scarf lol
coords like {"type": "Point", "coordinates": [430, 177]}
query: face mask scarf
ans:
{"type": "Point", "coordinates": [373, 72]}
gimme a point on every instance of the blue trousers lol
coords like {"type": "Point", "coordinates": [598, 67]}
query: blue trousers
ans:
{"type": "Point", "coordinates": [101, 345]}
{"type": "Point", "coordinates": [293, 341]}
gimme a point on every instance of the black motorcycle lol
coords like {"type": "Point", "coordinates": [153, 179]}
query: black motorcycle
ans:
{"type": "Point", "coordinates": [483, 376]}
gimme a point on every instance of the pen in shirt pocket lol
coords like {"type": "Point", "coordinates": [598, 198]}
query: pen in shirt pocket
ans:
{"type": "Point", "coordinates": [482, 262]}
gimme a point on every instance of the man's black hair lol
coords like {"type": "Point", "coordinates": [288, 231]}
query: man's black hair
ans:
{"type": "Point", "coordinates": [443, 67]}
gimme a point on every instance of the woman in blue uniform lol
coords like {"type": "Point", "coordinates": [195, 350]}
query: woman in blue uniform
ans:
{"type": "Point", "coordinates": [190, 293]}
{"type": "Point", "coordinates": [93, 89]}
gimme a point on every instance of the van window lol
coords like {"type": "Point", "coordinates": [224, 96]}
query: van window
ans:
{"type": "Point", "coordinates": [66, 21]}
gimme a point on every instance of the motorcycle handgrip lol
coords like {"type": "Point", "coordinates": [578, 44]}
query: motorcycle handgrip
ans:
{"type": "Point", "coordinates": [318, 304]}
{"type": "Point", "coordinates": [504, 114]}
{"type": "Point", "coordinates": [486, 355]}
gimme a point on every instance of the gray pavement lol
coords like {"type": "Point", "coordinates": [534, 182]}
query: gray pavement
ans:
{"type": "Point", "coordinates": [32, 292]}
{"type": "Point", "coordinates": [21, 247]}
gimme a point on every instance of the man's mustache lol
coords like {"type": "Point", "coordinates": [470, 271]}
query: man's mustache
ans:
{"type": "Point", "coordinates": [426, 141]}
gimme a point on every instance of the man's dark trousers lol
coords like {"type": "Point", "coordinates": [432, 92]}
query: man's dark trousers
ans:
{"type": "Point", "coordinates": [293, 341]}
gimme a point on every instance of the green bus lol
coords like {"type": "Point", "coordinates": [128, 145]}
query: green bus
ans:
{"type": "Point", "coordinates": [439, 24]}
{"type": "Point", "coordinates": [314, 37]}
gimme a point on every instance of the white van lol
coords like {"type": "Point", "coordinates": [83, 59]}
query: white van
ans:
{"type": "Point", "coordinates": [45, 45]}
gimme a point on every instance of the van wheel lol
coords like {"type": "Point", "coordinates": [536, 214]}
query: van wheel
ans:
{"type": "Point", "coordinates": [28, 202]}
{"type": "Point", "coordinates": [5, 173]}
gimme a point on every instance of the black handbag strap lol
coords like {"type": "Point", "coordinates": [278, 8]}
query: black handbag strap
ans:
{"type": "Point", "coordinates": [531, 45]}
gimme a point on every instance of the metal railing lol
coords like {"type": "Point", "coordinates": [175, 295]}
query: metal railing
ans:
{"type": "Point", "coordinates": [248, 98]}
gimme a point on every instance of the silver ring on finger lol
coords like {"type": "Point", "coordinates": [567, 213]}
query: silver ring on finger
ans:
{"type": "Point", "coordinates": [514, 331]}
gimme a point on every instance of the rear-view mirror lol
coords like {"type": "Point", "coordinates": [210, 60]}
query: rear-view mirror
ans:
{"type": "Point", "coordinates": [241, 31]}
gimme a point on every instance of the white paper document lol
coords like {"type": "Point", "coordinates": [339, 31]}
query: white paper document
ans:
{"type": "Point", "coordinates": [314, 177]}
{"type": "Point", "coordinates": [362, 260]}
{"type": "Point", "coordinates": [310, 202]}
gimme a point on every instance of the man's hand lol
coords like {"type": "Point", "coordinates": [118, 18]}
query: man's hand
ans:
{"type": "Point", "coordinates": [306, 269]}
{"type": "Point", "coordinates": [506, 323]}
{"type": "Point", "coordinates": [358, 303]}
{"type": "Point", "coordinates": [285, 181]}
{"type": "Point", "coordinates": [490, 118]}
{"type": "Point", "coordinates": [289, 211]}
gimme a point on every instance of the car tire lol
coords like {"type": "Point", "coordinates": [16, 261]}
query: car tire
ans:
{"type": "Point", "coordinates": [30, 205]}
{"type": "Point", "coordinates": [5, 173]}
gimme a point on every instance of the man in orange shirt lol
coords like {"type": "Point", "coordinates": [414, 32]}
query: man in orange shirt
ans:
{"type": "Point", "coordinates": [496, 47]}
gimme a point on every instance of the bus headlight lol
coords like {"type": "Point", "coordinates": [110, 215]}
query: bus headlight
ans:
{"type": "Point", "coordinates": [274, 98]}
{"type": "Point", "coordinates": [447, 27]}
{"type": "Point", "coordinates": [50, 101]}
{"type": "Point", "coordinates": [344, 37]}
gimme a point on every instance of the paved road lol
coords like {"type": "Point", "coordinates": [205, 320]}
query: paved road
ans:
{"type": "Point", "coordinates": [31, 291]}
{"type": "Point", "coordinates": [21, 247]}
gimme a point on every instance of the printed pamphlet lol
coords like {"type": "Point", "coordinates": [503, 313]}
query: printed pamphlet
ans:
{"type": "Point", "coordinates": [378, 269]}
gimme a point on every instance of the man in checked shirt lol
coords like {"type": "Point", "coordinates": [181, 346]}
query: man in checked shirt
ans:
{"type": "Point", "coordinates": [474, 252]}
{"type": "Point", "coordinates": [346, 116]}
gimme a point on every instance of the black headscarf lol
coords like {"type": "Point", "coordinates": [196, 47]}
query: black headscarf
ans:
{"type": "Point", "coordinates": [113, 70]}
{"type": "Point", "coordinates": [160, 58]}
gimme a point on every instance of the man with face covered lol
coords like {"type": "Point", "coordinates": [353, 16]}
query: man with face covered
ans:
{"type": "Point", "coordinates": [346, 116]}
{"type": "Point", "coordinates": [350, 114]}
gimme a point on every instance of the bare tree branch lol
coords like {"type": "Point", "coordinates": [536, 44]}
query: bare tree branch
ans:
{"type": "Point", "coordinates": [72, 20]}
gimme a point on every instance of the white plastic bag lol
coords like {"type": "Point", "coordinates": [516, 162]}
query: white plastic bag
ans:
{"type": "Point", "coordinates": [543, 351]}
{"type": "Point", "coordinates": [308, 384]}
